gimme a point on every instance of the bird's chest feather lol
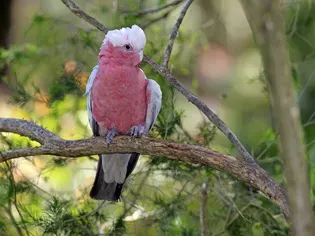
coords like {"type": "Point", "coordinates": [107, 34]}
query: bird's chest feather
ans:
{"type": "Point", "coordinates": [119, 98]}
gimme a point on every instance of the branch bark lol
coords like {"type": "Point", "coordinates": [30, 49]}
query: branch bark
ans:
{"type": "Point", "coordinates": [267, 23]}
{"type": "Point", "coordinates": [253, 175]}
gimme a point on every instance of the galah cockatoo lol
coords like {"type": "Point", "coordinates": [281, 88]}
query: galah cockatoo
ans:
{"type": "Point", "coordinates": [120, 100]}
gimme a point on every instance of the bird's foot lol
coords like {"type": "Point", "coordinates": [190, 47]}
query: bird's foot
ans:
{"type": "Point", "coordinates": [110, 136]}
{"type": "Point", "coordinates": [137, 131]}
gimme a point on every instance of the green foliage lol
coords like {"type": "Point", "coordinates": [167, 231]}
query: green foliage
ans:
{"type": "Point", "coordinates": [59, 217]}
{"type": "Point", "coordinates": [64, 84]}
{"type": "Point", "coordinates": [118, 227]}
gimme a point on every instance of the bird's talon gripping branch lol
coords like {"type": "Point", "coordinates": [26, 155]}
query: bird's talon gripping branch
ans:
{"type": "Point", "coordinates": [110, 136]}
{"type": "Point", "coordinates": [137, 131]}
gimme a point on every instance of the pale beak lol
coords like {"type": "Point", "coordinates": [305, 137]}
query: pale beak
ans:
{"type": "Point", "coordinates": [140, 54]}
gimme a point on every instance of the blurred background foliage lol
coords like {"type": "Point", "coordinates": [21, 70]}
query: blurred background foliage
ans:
{"type": "Point", "coordinates": [46, 56]}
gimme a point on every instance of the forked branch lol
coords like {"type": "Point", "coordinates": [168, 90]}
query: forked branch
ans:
{"type": "Point", "coordinates": [253, 175]}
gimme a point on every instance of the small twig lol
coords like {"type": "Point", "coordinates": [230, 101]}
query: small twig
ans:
{"type": "Point", "coordinates": [85, 216]}
{"type": "Point", "coordinates": [132, 204]}
{"type": "Point", "coordinates": [154, 10]}
{"type": "Point", "coordinates": [227, 195]}
{"type": "Point", "coordinates": [15, 200]}
{"type": "Point", "coordinates": [226, 220]}
{"type": "Point", "coordinates": [174, 33]}
{"type": "Point", "coordinates": [204, 230]}
{"type": "Point", "coordinates": [9, 208]}
{"type": "Point", "coordinates": [144, 179]}
{"type": "Point", "coordinates": [154, 20]}
{"type": "Point", "coordinates": [235, 217]}
{"type": "Point", "coordinates": [77, 11]}
{"type": "Point", "coordinates": [16, 225]}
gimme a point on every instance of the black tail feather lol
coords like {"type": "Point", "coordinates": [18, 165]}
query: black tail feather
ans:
{"type": "Point", "coordinates": [110, 191]}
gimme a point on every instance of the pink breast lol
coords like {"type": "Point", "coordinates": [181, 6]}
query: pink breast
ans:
{"type": "Point", "coordinates": [119, 98]}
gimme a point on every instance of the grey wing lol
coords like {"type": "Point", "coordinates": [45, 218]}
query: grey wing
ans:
{"type": "Point", "coordinates": [91, 79]}
{"type": "Point", "coordinates": [154, 104]}
{"type": "Point", "coordinates": [92, 122]}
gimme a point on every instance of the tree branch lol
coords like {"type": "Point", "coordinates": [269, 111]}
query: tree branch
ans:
{"type": "Point", "coordinates": [202, 107]}
{"type": "Point", "coordinates": [174, 33]}
{"type": "Point", "coordinates": [154, 10]}
{"type": "Point", "coordinates": [77, 11]}
{"type": "Point", "coordinates": [253, 175]}
{"type": "Point", "coordinates": [268, 25]}
{"type": "Point", "coordinates": [154, 20]}
{"type": "Point", "coordinates": [14, 200]}
{"type": "Point", "coordinates": [29, 129]}
{"type": "Point", "coordinates": [203, 214]}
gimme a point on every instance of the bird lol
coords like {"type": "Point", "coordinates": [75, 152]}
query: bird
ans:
{"type": "Point", "coordinates": [120, 101]}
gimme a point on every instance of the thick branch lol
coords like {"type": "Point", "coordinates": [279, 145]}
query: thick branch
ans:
{"type": "Point", "coordinates": [253, 175]}
{"type": "Point", "coordinates": [29, 129]}
{"type": "Point", "coordinates": [267, 23]}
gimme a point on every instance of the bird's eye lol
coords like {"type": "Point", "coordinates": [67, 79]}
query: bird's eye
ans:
{"type": "Point", "coordinates": [127, 47]}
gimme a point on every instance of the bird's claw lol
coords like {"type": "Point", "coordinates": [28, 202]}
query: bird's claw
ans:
{"type": "Point", "coordinates": [137, 131]}
{"type": "Point", "coordinates": [110, 136]}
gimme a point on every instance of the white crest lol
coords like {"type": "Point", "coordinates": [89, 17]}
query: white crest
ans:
{"type": "Point", "coordinates": [133, 36]}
